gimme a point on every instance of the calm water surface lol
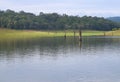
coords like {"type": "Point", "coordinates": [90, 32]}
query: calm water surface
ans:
{"type": "Point", "coordinates": [95, 59]}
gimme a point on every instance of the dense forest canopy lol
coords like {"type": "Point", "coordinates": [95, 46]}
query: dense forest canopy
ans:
{"type": "Point", "coordinates": [52, 21]}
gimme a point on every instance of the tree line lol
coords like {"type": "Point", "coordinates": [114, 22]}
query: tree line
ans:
{"type": "Point", "coordinates": [52, 21]}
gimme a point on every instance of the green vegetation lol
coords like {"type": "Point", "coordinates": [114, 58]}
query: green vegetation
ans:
{"type": "Point", "coordinates": [7, 34]}
{"type": "Point", "coordinates": [27, 25]}
{"type": "Point", "coordinates": [53, 21]}
{"type": "Point", "coordinates": [113, 33]}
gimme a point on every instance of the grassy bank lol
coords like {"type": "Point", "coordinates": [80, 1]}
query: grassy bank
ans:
{"type": "Point", "coordinates": [7, 34]}
{"type": "Point", "coordinates": [113, 33]}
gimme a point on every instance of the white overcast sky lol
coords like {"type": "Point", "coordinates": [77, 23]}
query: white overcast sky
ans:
{"type": "Point", "coordinates": [101, 8]}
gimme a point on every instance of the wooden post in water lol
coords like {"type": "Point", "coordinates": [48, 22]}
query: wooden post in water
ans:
{"type": "Point", "coordinates": [74, 33]}
{"type": "Point", "coordinates": [80, 44]}
{"type": "Point", "coordinates": [80, 35]}
{"type": "Point", "coordinates": [65, 34]}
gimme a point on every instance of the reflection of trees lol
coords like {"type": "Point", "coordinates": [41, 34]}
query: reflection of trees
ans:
{"type": "Point", "coordinates": [99, 43]}
{"type": "Point", "coordinates": [53, 47]}
{"type": "Point", "coordinates": [43, 47]}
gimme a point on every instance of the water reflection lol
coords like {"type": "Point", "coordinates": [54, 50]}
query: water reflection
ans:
{"type": "Point", "coordinates": [55, 46]}
{"type": "Point", "coordinates": [43, 47]}
{"type": "Point", "coordinates": [95, 59]}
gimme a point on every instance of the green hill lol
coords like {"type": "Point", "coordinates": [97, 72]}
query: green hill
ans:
{"type": "Point", "coordinates": [52, 21]}
{"type": "Point", "coordinates": [114, 19]}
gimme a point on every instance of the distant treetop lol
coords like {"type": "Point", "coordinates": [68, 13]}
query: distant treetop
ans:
{"type": "Point", "coordinates": [52, 21]}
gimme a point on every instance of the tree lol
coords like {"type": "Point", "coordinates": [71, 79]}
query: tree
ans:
{"type": "Point", "coordinates": [52, 21]}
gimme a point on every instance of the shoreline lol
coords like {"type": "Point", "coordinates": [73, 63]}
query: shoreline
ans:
{"type": "Point", "coordinates": [8, 34]}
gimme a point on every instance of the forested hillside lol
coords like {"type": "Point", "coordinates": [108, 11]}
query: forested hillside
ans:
{"type": "Point", "coordinates": [52, 21]}
{"type": "Point", "coordinates": [115, 19]}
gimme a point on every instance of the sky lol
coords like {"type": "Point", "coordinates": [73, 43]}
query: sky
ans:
{"type": "Point", "coordinates": [100, 8]}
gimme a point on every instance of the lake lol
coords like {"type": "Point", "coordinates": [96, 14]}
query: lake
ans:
{"type": "Point", "coordinates": [95, 59]}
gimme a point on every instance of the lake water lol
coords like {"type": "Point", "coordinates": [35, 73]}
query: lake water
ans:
{"type": "Point", "coordinates": [95, 59]}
